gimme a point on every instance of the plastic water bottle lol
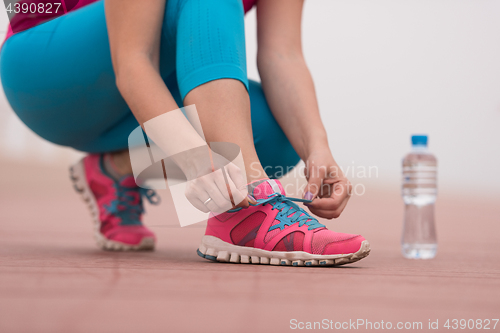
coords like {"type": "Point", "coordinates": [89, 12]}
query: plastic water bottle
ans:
{"type": "Point", "coordinates": [419, 192]}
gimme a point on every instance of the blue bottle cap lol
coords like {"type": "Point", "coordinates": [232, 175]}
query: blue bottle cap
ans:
{"type": "Point", "coordinates": [419, 140]}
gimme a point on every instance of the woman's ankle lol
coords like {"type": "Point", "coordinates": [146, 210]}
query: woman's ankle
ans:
{"type": "Point", "coordinates": [255, 172]}
{"type": "Point", "coordinates": [118, 164]}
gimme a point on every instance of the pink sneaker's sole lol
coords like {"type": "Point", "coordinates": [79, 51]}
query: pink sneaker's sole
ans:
{"type": "Point", "coordinates": [215, 249]}
{"type": "Point", "coordinates": [77, 176]}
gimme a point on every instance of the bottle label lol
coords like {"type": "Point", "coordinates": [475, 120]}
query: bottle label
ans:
{"type": "Point", "coordinates": [421, 177]}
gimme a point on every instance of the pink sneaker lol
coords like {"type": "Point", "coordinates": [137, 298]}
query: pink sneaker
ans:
{"type": "Point", "coordinates": [116, 206]}
{"type": "Point", "coordinates": [278, 232]}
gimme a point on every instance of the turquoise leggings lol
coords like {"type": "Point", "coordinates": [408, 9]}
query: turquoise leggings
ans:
{"type": "Point", "coordinates": [58, 76]}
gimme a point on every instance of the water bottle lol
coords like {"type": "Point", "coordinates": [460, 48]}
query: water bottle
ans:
{"type": "Point", "coordinates": [419, 193]}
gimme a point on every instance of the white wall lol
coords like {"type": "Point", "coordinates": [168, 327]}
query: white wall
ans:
{"type": "Point", "coordinates": [384, 69]}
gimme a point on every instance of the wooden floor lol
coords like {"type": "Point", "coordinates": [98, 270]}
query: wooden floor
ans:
{"type": "Point", "coordinates": [54, 279]}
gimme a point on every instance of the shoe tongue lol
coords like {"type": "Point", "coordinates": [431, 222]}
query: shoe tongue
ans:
{"type": "Point", "coordinates": [261, 189]}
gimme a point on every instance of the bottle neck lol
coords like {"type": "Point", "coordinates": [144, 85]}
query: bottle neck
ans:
{"type": "Point", "coordinates": [419, 148]}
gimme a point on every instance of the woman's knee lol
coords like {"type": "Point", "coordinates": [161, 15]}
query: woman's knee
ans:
{"type": "Point", "coordinates": [275, 151]}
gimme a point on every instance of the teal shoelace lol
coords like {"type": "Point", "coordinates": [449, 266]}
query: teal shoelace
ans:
{"type": "Point", "coordinates": [289, 213]}
{"type": "Point", "coordinates": [126, 207]}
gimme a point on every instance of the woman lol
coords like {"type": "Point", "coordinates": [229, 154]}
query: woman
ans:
{"type": "Point", "coordinates": [87, 78]}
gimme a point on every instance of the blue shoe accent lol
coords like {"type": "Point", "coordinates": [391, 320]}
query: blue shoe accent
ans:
{"type": "Point", "coordinates": [295, 263]}
{"type": "Point", "coordinates": [210, 257]}
{"type": "Point", "coordinates": [308, 263]}
{"type": "Point", "coordinates": [199, 253]}
{"type": "Point", "coordinates": [124, 205]}
{"type": "Point", "coordinates": [322, 263]}
{"type": "Point", "coordinates": [287, 208]}
{"type": "Point", "coordinates": [283, 263]}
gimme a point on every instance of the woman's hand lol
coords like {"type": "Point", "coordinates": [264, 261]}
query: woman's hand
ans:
{"type": "Point", "coordinates": [289, 90]}
{"type": "Point", "coordinates": [214, 183]}
{"type": "Point", "coordinates": [327, 186]}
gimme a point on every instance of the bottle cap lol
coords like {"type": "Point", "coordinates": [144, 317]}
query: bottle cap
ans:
{"type": "Point", "coordinates": [419, 140]}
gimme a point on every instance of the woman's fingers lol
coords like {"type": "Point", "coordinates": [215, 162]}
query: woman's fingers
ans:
{"type": "Point", "coordinates": [323, 204]}
{"type": "Point", "coordinates": [238, 194]}
{"type": "Point", "coordinates": [219, 187]}
{"type": "Point", "coordinates": [193, 195]}
{"type": "Point", "coordinates": [214, 193]}
{"type": "Point", "coordinates": [240, 197]}
{"type": "Point", "coordinates": [214, 207]}
{"type": "Point", "coordinates": [326, 214]}
{"type": "Point", "coordinates": [238, 185]}
{"type": "Point", "coordinates": [237, 177]}
{"type": "Point", "coordinates": [201, 189]}
{"type": "Point", "coordinates": [217, 190]}
{"type": "Point", "coordinates": [315, 180]}
{"type": "Point", "coordinates": [329, 213]}
{"type": "Point", "coordinates": [333, 203]}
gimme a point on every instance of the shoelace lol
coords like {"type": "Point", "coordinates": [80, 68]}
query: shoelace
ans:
{"type": "Point", "coordinates": [127, 207]}
{"type": "Point", "coordinates": [287, 208]}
